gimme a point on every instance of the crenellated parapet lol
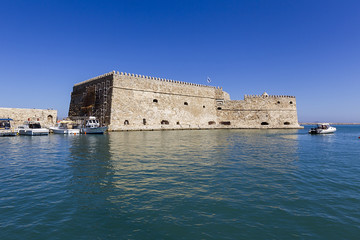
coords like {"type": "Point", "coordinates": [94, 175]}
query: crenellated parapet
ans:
{"type": "Point", "coordinates": [95, 78]}
{"type": "Point", "coordinates": [139, 76]}
{"type": "Point", "coordinates": [267, 96]}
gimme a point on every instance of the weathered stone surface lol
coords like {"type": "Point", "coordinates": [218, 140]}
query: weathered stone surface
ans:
{"type": "Point", "coordinates": [46, 117]}
{"type": "Point", "coordinates": [135, 102]}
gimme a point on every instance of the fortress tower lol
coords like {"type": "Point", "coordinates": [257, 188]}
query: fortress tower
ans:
{"type": "Point", "coordinates": [124, 101]}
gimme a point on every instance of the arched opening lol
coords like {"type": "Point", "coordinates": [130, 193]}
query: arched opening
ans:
{"type": "Point", "coordinates": [144, 121]}
{"type": "Point", "coordinates": [212, 123]}
{"type": "Point", "coordinates": [50, 118]}
{"type": "Point", "coordinates": [204, 106]}
{"type": "Point", "coordinates": [177, 123]}
{"type": "Point", "coordinates": [126, 122]}
{"type": "Point", "coordinates": [291, 102]}
{"type": "Point", "coordinates": [264, 123]}
{"type": "Point", "coordinates": [225, 123]}
{"type": "Point", "coordinates": [286, 123]}
{"type": "Point", "coordinates": [155, 100]}
{"type": "Point", "coordinates": [278, 102]}
{"type": "Point", "coordinates": [219, 108]}
{"type": "Point", "coordinates": [185, 103]}
{"type": "Point", "coordinates": [164, 122]}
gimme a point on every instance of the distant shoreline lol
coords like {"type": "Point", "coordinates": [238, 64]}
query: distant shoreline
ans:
{"type": "Point", "coordinates": [306, 123]}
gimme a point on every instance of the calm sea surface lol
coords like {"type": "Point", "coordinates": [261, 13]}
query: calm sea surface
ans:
{"type": "Point", "coordinates": [216, 184]}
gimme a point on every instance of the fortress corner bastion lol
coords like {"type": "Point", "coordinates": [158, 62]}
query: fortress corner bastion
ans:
{"type": "Point", "coordinates": [124, 101]}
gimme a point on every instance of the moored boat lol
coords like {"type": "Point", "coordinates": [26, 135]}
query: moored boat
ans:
{"type": "Point", "coordinates": [65, 127]}
{"type": "Point", "coordinates": [92, 126]}
{"type": "Point", "coordinates": [322, 128]}
{"type": "Point", "coordinates": [32, 128]}
{"type": "Point", "coordinates": [5, 128]}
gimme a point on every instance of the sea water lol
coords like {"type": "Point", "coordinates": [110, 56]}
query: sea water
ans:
{"type": "Point", "coordinates": [205, 184]}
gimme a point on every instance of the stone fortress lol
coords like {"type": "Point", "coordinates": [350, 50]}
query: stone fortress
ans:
{"type": "Point", "coordinates": [124, 101]}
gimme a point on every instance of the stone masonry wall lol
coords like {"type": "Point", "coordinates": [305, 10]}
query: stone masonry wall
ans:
{"type": "Point", "coordinates": [92, 98]}
{"type": "Point", "coordinates": [137, 102]}
{"type": "Point", "coordinates": [46, 117]}
{"type": "Point", "coordinates": [259, 112]}
{"type": "Point", "coordinates": [144, 103]}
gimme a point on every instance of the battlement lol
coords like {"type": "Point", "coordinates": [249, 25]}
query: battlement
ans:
{"type": "Point", "coordinates": [267, 96]}
{"type": "Point", "coordinates": [144, 77]}
{"type": "Point", "coordinates": [162, 79]}
{"type": "Point", "coordinates": [95, 78]}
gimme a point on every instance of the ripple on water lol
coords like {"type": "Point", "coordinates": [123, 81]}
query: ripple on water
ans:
{"type": "Point", "coordinates": [220, 184]}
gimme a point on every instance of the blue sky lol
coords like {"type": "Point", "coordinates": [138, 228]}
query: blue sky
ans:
{"type": "Point", "coordinates": [309, 49]}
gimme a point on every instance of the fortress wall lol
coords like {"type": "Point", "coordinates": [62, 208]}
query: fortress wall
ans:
{"type": "Point", "coordinates": [142, 103]}
{"type": "Point", "coordinates": [162, 85]}
{"type": "Point", "coordinates": [260, 112]}
{"type": "Point", "coordinates": [46, 117]}
{"type": "Point", "coordinates": [137, 102]}
{"type": "Point", "coordinates": [262, 103]}
{"type": "Point", "coordinates": [256, 119]}
{"type": "Point", "coordinates": [92, 98]}
{"type": "Point", "coordinates": [270, 102]}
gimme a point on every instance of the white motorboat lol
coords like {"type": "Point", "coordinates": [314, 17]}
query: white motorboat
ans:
{"type": "Point", "coordinates": [32, 128]}
{"type": "Point", "coordinates": [92, 126]}
{"type": "Point", "coordinates": [65, 127]}
{"type": "Point", "coordinates": [5, 128]}
{"type": "Point", "coordinates": [322, 128]}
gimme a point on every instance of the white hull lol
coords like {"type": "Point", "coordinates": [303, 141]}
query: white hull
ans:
{"type": "Point", "coordinates": [65, 131]}
{"type": "Point", "coordinates": [98, 130]}
{"type": "Point", "coordinates": [34, 132]}
{"type": "Point", "coordinates": [322, 129]}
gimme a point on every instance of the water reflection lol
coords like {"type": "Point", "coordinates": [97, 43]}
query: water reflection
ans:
{"type": "Point", "coordinates": [192, 163]}
{"type": "Point", "coordinates": [91, 170]}
{"type": "Point", "coordinates": [164, 177]}
{"type": "Point", "coordinates": [178, 163]}
{"type": "Point", "coordinates": [201, 184]}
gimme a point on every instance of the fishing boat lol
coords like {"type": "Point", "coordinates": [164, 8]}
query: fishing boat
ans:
{"type": "Point", "coordinates": [322, 128]}
{"type": "Point", "coordinates": [32, 128]}
{"type": "Point", "coordinates": [65, 127]}
{"type": "Point", "coordinates": [5, 128]}
{"type": "Point", "coordinates": [92, 126]}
